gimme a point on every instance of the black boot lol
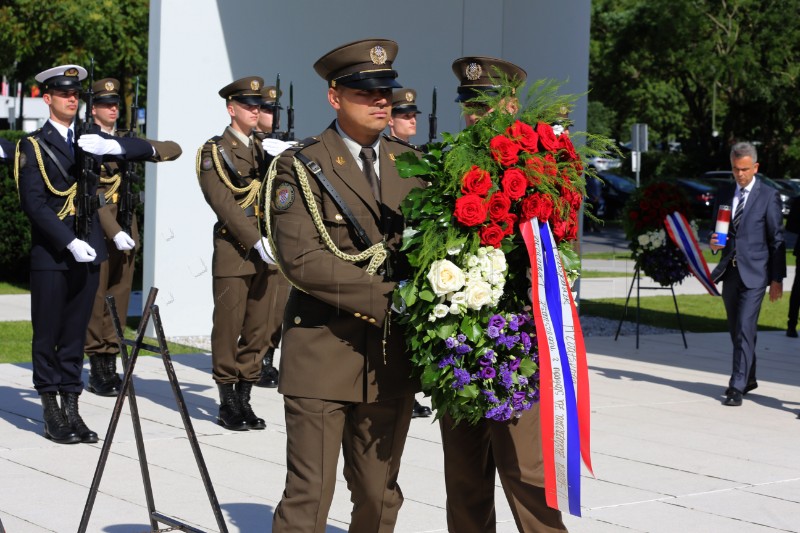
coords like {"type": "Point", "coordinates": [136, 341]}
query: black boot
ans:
{"type": "Point", "coordinates": [56, 427]}
{"type": "Point", "coordinates": [420, 411]}
{"type": "Point", "coordinates": [231, 415]}
{"type": "Point", "coordinates": [243, 389]}
{"type": "Point", "coordinates": [69, 406]}
{"type": "Point", "coordinates": [111, 371]}
{"type": "Point", "coordinates": [269, 374]}
{"type": "Point", "coordinates": [100, 382]}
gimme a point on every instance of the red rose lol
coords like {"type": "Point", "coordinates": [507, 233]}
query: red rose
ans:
{"type": "Point", "coordinates": [559, 229]}
{"type": "Point", "coordinates": [524, 136]}
{"type": "Point", "coordinates": [534, 168]}
{"type": "Point", "coordinates": [538, 206]}
{"type": "Point", "coordinates": [547, 139]}
{"type": "Point", "coordinates": [567, 149]}
{"type": "Point", "coordinates": [470, 210]}
{"type": "Point", "coordinates": [499, 204]}
{"type": "Point", "coordinates": [492, 235]}
{"type": "Point", "coordinates": [504, 150]}
{"type": "Point", "coordinates": [514, 183]}
{"type": "Point", "coordinates": [508, 223]}
{"type": "Point", "coordinates": [476, 181]}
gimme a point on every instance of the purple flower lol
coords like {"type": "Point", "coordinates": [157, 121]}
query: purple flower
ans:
{"type": "Point", "coordinates": [462, 378]}
{"type": "Point", "coordinates": [487, 372]}
{"type": "Point", "coordinates": [513, 323]}
{"type": "Point", "coordinates": [501, 412]}
{"type": "Point", "coordinates": [506, 380]}
{"type": "Point", "coordinates": [461, 337]}
{"type": "Point", "coordinates": [450, 342]}
{"type": "Point", "coordinates": [463, 348]}
{"type": "Point", "coordinates": [526, 342]}
{"type": "Point", "coordinates": [514, 364]}
{"type": "Point", "coordinates": [493, 332]}
{"type": "Point", "coordinates": [517, 400]}
{"type": "Point", "coordinates": [490, 397]}
{"type": "Point", "coordinates": [507, 340]}
{"type": "Point", "coordinates": [523, 381]}
{"type": "Point", "coordinates": [486, 360]}
{"type": "Point", "coordinates": [497, 321]}
{"type": "Point", "coordinates": [447, 361]}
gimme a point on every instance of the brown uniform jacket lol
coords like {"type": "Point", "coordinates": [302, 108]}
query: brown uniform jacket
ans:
{"type": "Point", "coordinates": [165, 151]}
{"type": "Point", "coordinates": [235, 233]}
{"type": "Point", "coordinates": [332, 346]}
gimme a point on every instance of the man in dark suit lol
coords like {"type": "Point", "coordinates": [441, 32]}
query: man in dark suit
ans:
{"type": "Point", "coordinates": [345, 373]}
{"type": "Point", "coordinates": [753, 258]}
{"type": "Point", "coordinates": [64, 262]}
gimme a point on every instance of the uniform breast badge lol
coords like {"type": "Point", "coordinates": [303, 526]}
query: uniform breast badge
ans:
{"type": "Point", "coordinates": [284, 197]}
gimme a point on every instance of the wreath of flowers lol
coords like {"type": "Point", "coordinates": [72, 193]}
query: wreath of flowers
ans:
{"type": "Point", "coordinates": [643, 220]}
{"type": "Point", "coordinates": [466, 304]}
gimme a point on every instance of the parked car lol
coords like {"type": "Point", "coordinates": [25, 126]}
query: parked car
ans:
{"type": "Point", "coordinates": [604, 163]}
{"type": "Point", "coordinates": [616, 190]}
{"type": "Point", "coordinates": [701, 197]}
{"type": "Point", "coordinates": [794, 185]}
{"type": "Point", "coordinates": [786, 193]}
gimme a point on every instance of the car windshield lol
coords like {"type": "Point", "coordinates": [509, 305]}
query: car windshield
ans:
{"type": "Point", "coordinates": [620, 182]}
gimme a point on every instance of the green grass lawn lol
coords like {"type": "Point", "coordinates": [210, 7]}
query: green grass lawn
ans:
{"type": "Point", "coordinates": [603, 274]}
{"type": "Point", "coordinates": [710, 258]}
{"type": "Point", "coordinates": [699, 313]}
{"type": "Point", "coordinates": [15, 342]}
{"type": "Point", "coordinates": [13, 288]}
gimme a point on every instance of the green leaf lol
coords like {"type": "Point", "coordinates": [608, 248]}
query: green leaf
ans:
{"type": "Point", "coordinates": [471, 329]}
{"type": "Point", "coordinates": [470, 391]}
{"type": "Point", "coordinates": [527, 367]}
{"type": "Point", "coordinates": [427, 295]}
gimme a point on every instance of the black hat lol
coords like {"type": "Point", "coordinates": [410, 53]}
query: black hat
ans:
{"type": "Point", "coordinates": [244, 90]}
{"type": "Point", "coordinates": [106, 91]}
{"type": "Point", "coordinates": [269, 95]}
{"type": "Point", "coordinates": [363, 64]}
{"type": "Point", "coordinates": [63, 77]}
{"type": "Point", "coordinates": [404, 101]}
{"type": "Point", "coordinates": [483, 74]}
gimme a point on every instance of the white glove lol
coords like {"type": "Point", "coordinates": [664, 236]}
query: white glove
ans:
{"type": "Point", "coordinates": [81, 251]}
{"type": "Point", "coordinates": [97, 145]}
{"type": "Point", "coordinates": [274, 147]}
{"type": "Point", "coordinates": [264, 250]}
{"type": "Point", "coordinates": [558, 129]}
{"type": "Point", "coordinates": [123, 241]}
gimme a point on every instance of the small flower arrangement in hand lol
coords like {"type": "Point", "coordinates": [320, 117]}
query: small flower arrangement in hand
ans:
{"type": "Point", "coordinates": [643, 219]}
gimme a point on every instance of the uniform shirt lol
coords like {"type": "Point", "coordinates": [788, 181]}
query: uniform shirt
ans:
{"type": "Point", "coordinates": [355, 149]}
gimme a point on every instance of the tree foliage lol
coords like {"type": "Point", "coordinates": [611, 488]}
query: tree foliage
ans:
{"type": "Point", "coordinates": [38, 35]}
{"type": "Point", "coordinates": [689, 67]}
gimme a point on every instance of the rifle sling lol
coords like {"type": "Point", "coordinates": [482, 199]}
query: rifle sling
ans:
{"type": "Point", "coordinates": [225, 157]}
{"type": "Point", "coordinates": [314, 167]}
{"type": "Point", "coordinates": [53, 157]}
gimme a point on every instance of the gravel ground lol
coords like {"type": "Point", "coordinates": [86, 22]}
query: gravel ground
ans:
{"type": "Point", "coordinates": [594, 326]}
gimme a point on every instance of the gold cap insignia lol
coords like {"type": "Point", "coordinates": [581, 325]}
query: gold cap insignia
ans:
{"type": "Point", "coordinates": [254, 85]}
{"type": "Point", "coordinates": [71, 72]}
{"type": "Point", "coordinates": [473, 71]}
{"type": "Point", "coordinates": [340, 160]}
{"type": "Point", "coordinates": [391, 156]}
{"type": "Point", "coordinates": [273, 93]}
{"type": "Point", "coordinates": [409, 96]}
{"type": "Point", "coordinates": [378, 55]}
{"type": "Point", "coordinates": [109, 86]}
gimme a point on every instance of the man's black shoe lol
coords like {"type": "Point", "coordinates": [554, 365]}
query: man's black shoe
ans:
{"type": "Point", "coordinates": [791, 332]}
{"type": "Point", "coordinates": [734, 399]}
{"type": "Point", "coordinates": [420, 411]}
{"type": "Point", "coordinates": [269, 374]}
{"type": "Point", "coordinates": [751, 385]}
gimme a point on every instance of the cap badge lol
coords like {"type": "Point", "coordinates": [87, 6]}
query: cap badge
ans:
{"type": "Point", "coordinates": [340, 160]}
{"type": "Point", "coordinates": [71, 72]}
{"type": "Point", "coordinates": [254, 85]}
{"type": "Point", "coordinates": [109, 86]}
{"type": "Point", "coordinates": [378, 55]}
{"type": "Point", "coordinates": [409, 96]}
{"type": "Point", "coordinates": [391, 156]}
{"type": "Point", "coordinates": [273, 93]}
{"type": "Point", "coordinates": [473, 71]}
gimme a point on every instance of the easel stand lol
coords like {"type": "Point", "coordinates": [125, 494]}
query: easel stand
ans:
{"type": "Point", "coordinates": [637, 281]}
{"type": "Point", "coordinates": [150, 309]}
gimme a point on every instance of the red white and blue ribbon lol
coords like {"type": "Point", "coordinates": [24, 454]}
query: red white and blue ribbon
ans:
{"type": "Point", "coordinates": [563, 373]}
{"type": "Point", "coordinates": [682, 235]}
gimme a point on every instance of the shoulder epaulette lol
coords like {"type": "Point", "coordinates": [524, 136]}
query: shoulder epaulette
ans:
{"type": "Point", "coordinates": [305, 143]}
{"type": "Point", "coordinates": [401, 141]}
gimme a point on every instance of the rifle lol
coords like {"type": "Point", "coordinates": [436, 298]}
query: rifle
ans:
{"type": "Point", "coordinates": [290, 115]}
{"type": "Point", "coordinates": [85, 202]}
{"type": "Point", "coordinates": [276, 113]}
{"type": "Point", "coordinates": [432, 120]}
{"type": "Point", "coordinates": [127, 199]}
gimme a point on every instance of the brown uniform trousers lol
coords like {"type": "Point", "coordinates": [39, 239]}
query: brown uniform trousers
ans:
{"type": "Point", "coordinates": [116, 274]}
{"type": "Point", "coordinates": [249, 295]}
{"type": "Point", "coordinates": [343, 389]}
{"type": "Point", "coordinates": [472, 453]}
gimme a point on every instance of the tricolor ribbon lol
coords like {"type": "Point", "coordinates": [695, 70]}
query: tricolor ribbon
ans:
{"type": "Point", "coordinates": [563, 373]}
{"type": "Point", "coordinates": [682, 235]}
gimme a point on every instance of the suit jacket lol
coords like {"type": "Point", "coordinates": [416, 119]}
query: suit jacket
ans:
{"type": "Point", "coordinates": [332, 346]}
{"type": "Point", "coordinates": [759, 246]}
{"type": "Point", "coordinates": [235, 233]}
{"type": "Point", "coordinates": [49, 234]}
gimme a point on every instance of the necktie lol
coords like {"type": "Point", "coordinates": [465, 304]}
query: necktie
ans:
{"type": "Point", "coordinates": [70, 144]}
{"type": "Point", "coordinates": [737, 216]}
{"type": "Point", "coordinates": [368, 157]}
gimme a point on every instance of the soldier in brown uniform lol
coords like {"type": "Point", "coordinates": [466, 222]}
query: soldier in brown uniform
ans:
{"type": "Point", "coordinates": [472, 453]}
{"type": "Point", "coordinates": [403, 123]}
{"type": "Point", "coordinates": [230, 168]}
{"type": "Point", "coordinates": [344, 368]}
{"type": "Point", "coordinates": [116, 274]}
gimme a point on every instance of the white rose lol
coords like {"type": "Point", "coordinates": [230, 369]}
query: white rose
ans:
{"type": "Point", "coordinates": [474, 274]}
{"type": "Point", "coordinates": [455, 250]}
{"type": "Point", "coordinates": [479, 293]}
{"type": "Point", "coordinates": [644, 239]}
{"type": "Point", "coordinates": [472, 261]}
{"type": "Point", "coordinates": [483, 250]}
{"type": "Point", "coordinates": [445, 277]}
{"type": "Point", "coordinates": [485, 264]}
{"type": "Point", "coordinates": [498, 261]}
{"type": "Point", "coordinates": [495, 277]}
{"type": "Point", "coordinates": [459, 298]}
{"type": "Point", "coordinates": [496, 295]}
{"type": "Point", "coordinates": [441, 310]}
{"type": "Point", "coordinates": [455, 309]}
